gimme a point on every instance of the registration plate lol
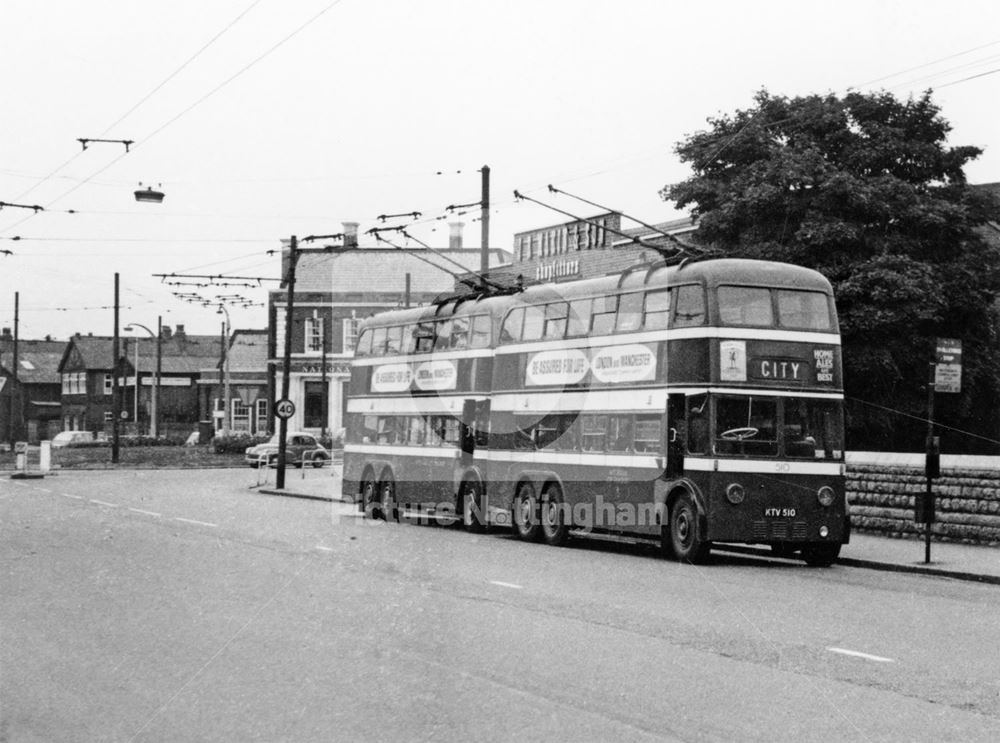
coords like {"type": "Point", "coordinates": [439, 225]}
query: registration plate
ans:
{"type": "Point", "coordinates": [779, 513]}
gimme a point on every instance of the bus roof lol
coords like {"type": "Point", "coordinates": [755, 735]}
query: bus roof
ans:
{"type": "Point", "coordinates": [711, 273]}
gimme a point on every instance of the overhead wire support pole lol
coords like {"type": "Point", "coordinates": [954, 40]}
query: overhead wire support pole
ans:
{"type": "Point", "coordinates": [484, 248]}
{"type": "Point", "coordinates": [638, 241]}
{"type": "Point", "coordinates": [293, 258]}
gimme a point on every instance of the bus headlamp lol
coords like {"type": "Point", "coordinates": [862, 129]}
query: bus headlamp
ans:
{"type": "Point", "coordinates": [825, 495]}
{"type": "Point", "coordinates": [735, 493]}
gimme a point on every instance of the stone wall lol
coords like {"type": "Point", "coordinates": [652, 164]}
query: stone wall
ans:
{"type": "Point", "coordinates": [882, 492]}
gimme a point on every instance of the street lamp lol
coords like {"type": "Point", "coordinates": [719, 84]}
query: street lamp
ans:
{"type": "Point", "coordinates": [154, 405]}
{"type": "Point", "coordinates": [225, 370]}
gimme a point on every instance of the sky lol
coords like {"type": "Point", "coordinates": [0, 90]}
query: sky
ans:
{"type": "Point", "coordinates": [262, 119]}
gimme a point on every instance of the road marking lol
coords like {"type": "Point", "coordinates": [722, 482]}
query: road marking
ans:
{"type": "Point", "coordinates": [325, 549]}
{"type": "Point", "coordinates": [70, 495]}
{"type": "Point", "coordinates": [148, 513]}
{"type": "Point", "coordinates": [504, 584]}
{"type": "Point", "coordinates": [43, 490]}
{"type": "Point", "coordinates": [104, 503]}
{"type": "Point", "coordinates": [857, 654]}
{"type": "Point", "coordinates": [193, 521]}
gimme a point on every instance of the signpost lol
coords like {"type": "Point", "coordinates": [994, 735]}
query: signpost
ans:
{"type": "Point", "coordinates": [284, 409]}
{"type": "Point", "coordinates": [948, 369]}
{"type": "Point", "coordinates": [945, 376]}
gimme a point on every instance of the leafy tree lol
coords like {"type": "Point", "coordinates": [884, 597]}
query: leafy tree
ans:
{"type": "Point", "coordinates": [865, 189]}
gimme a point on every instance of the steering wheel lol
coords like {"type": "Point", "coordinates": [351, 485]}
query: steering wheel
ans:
{"type": "Point", "coordinates": [739, 434]}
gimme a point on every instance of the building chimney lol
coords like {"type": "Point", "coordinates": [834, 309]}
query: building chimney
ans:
{"type": "Point", "coordinates": [5, 333]}
{"type": "Point", "coordinates": [167, 332]}
{"type": "Point", "coordinates": [455, 236]}
{"type": "Point", "coordinates": [350, 234]}
{"type": "Point", "coordinates": [180, 331]}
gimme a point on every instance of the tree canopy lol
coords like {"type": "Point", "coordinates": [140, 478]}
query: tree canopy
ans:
{"type": "Point", "coordinates": [865, 189]}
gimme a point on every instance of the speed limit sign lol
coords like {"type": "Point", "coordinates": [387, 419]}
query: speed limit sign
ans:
{"type": "Point", "coordinates": [284, 409]}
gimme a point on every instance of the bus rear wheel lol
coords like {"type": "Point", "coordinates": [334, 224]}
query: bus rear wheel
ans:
{"type": "Point", "coordinates": [821, 554]}
{"type": "Point", "coordinates": [387, 499]}
{"type": "Point", "coordinates": [472, 506]}
{"type": "Point", "coordinates": [555, 527]}
{"type": "Point", "coordinates": [686, 541]}
{"type": "Point", "coordinates": [369, 498]}
{"type": "Point", "coordinates": [525, 515]}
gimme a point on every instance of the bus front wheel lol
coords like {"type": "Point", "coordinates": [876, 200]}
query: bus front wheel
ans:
{"type": "Point", "coordinates": [686, 541]}
{"type": "Point", "coordinates": [525, 516]}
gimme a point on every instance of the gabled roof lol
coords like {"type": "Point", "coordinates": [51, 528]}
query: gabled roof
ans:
{"type": "Point", "coordinates": [248, 351]}
{"type": "Point", "coordinates": [37, 361]}
{"type": "Point", "coordinates": [181, 354]}
{"type": "Point", "coordinates": [95, 351]}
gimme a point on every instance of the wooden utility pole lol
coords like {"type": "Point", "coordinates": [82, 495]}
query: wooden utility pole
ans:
{"type": "Point", "coordinates": [293, 258]}
{"type": "Point", "coordinates": [484, 249]}
{"type": "Point", "coordinates": [116, 403]}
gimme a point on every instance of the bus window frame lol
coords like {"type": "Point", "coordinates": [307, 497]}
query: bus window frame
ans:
{"type": "Point", "coordinates": [771, 302]}
{"type": "Point", "coordinates": [578, 317]}
{"type": "Point", "coordinates": [778, 291]}
{"type": "Point", "coordinates": [677, 293]}
{"type": "Point", "coordinates": [478, 338]}
{"type": "Point", "coordinates": [630, 314]}
{"type": "Point", "coordinates": [663, 312]}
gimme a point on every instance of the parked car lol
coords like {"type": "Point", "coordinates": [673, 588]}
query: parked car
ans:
{"type": "Point", "coordinates": [67, 438]}
{"type": "Point", "coordinates": [300, 448]}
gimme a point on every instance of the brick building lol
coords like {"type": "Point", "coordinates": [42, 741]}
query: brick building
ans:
{"type": "Point", "coordinates": [87, 384]}
{"type": "Point", "coordinates": [249, 408]}
{"type": "Point", "coordinates": [30, 394]}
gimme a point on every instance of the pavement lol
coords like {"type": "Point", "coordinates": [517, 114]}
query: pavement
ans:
{"type": "Point", "coordinates": [871, 551]}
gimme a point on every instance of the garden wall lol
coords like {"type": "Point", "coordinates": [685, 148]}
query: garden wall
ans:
{"type": "Point", "coordinates": [881, 488]}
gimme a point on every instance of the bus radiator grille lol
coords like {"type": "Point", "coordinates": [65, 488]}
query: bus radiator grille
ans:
{"type": "Point", "coordinates": [782, 530]}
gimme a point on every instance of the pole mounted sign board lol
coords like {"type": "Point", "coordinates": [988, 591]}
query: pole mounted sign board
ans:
{"type": "Point", "coordinates": [948, 370]}
{"type": "Point", "coordinates": [284, 409]}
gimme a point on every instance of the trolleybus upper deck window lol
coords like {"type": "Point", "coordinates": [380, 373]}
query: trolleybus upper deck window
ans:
{"type": "Point", "coordinates": [804, 309]}
{"type": "Point", "coordinates": [657, 310]}
{"type": "Point", "coordinates": [690, 309]}
{"type": "Point", "coordinates": [364, 345]}
{"type": "Point", "coordinates": [745, 305]}
{"type": "Point", "coordinates": [480, 332]}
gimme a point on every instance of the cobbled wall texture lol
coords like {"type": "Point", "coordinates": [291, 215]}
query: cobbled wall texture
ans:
{"type": "Point", "coordinates": [968, 503]}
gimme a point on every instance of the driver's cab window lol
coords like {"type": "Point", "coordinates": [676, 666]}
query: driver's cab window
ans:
{"type": "Point", "coordinates": [746, 425]}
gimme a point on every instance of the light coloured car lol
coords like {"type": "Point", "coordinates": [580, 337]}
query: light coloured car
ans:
{"type": "Point", "coordinates": [300, 448]}
{"type": "Point", "coordinates": [67, 438]}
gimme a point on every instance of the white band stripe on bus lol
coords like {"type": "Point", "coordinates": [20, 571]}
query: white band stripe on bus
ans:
{"type": "Point", "coordinates": [768, 334]}
{"type": "Point", "coordinates": [479, 353]}
{"type": "Point", "coordinates": [637, 400]}
{"type": "Point", "coordinates": [628, 400]}
{"type": "Point", "coordinates": [650, 462]}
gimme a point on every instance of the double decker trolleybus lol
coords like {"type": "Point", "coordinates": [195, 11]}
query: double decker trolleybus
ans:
{"type": "Point", "coordinates": [692, 404]}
